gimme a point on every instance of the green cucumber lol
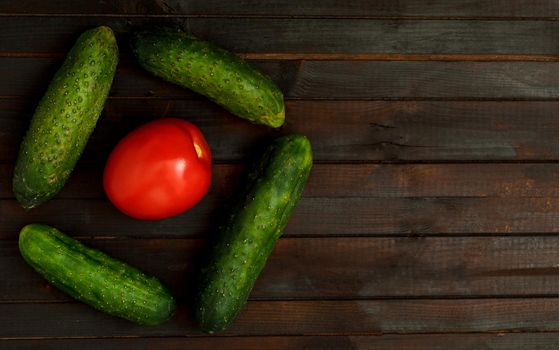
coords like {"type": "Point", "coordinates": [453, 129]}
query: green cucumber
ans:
{"type": "Point", "coordinates": [248, 237]}
{"type": "Point", "coordinates": [95, 278]}
{"type": "Point", "coordinates": [226, 79]}
{"type": "Point", "coordinates": [65, 118]}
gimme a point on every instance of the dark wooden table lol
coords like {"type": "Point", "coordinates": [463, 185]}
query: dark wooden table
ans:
{"type": "Point", "coordinates": [431, 217]}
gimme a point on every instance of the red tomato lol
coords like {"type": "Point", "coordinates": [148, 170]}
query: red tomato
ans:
{"type": "Point", "coordinates": [159, 170]}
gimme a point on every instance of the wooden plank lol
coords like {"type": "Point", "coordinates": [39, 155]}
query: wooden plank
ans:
{"type": "Point", "coordinates": [275, 8]}
{"type": "Point", "coordinates": [494, 341]}
{"type": "Point", "coordinates": [200, 343]}
{"type": "Point", "coordinates": [312, 217]}
{"type": "Point", "coordinates": [451, 80]}
{"type": "Point", "coordinates": [299, 317]}
{"type": "Point", "coordinates": [361, 180]}
{"type": "Point", "coordinates": [335, 268]}
{"type": "Point", "coordinates": [379, 36]}
{"type": "Point", "coordinates": [31, 76]}
{"type": "Point", "coordinates": [366, 130]}
{"type": "Point", "coordinates": [310, 36]}
{"type": "Point", "coordinates": [396, 131]}
{"type": "Point", "coordinates": [352, 80]}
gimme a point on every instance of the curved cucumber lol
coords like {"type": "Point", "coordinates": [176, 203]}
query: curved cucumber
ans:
{"type": "Point", "coordinates": [198, 65]}
{"type": "Point", "coordinates": [65, 118]}
{"type": "Point", "coordinates": [95, 278]}
{"type": "Point", "coordinates": [250, 233]}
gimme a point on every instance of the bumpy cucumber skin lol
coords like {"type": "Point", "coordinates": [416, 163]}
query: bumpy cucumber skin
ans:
{"type": "Point", "coordinates": [251, 231]}
{"type": "Point", "coordinates": [223, 77]}
{"type": "Point", "coordinates": [65, 118]}
{"type": "Point", "coordinates": [95, 278]}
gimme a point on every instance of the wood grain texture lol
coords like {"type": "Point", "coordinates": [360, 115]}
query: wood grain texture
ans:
{"type": "Point", "coordinates": [493, 341]}
{"type": "Point", "coordinates": [312, 217]}
{"type": "Point", "coordinates": [335, 268]}
{"type": "Point", "coordinates": [361, 180]}
{"type": "Point", "coordinates": [274, 8]}
{"type": "Point", "coordinates": [430, 218]}
{"type": "Point", "coordinates": [299, 317]}
{"type": "Point", "coordinates": [370, 80]}
{"type": "Point", "coordinates": [395, 131]}
{"type": "Point", "coordinates": [348, 36]}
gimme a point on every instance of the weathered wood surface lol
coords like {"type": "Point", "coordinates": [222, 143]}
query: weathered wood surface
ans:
{"type": "Point", "coordinates": [304, 36]}
{"type": "Point", "coordinates": [484, 180]}
{"type": "Point", "coordinates": [328, 79]}
{"type": "Point", "coordinates": [312, 217]}
{"type": "Point", "coordinates": [508, 9]}
{"type": "Point", "coordinates": [344, 317]}
{"type": "Point", "coordinates": [495, 341]}
{"type": "Point", "coordinates": [335, 268]}
{"type": "Point", "coordinates": [340, 131]}
{"type": "Point", "coordinates": [431, 215]}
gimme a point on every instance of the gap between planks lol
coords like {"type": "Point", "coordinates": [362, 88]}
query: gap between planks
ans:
{"type": "Point", "coordinates": [370, 162]}
{"type": "Point", "coordinates": [333, 99]}
{"type": "Point", "coordinates": [295, 56]}
{"type": "Point", "coordinates": [356, 334]}
{"type": "Point", "coordinates": [334, 299]}
{"type": "Point", "coordinates": [291, 16]}
{"type": "Point", "coordinates": [349, 236]}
